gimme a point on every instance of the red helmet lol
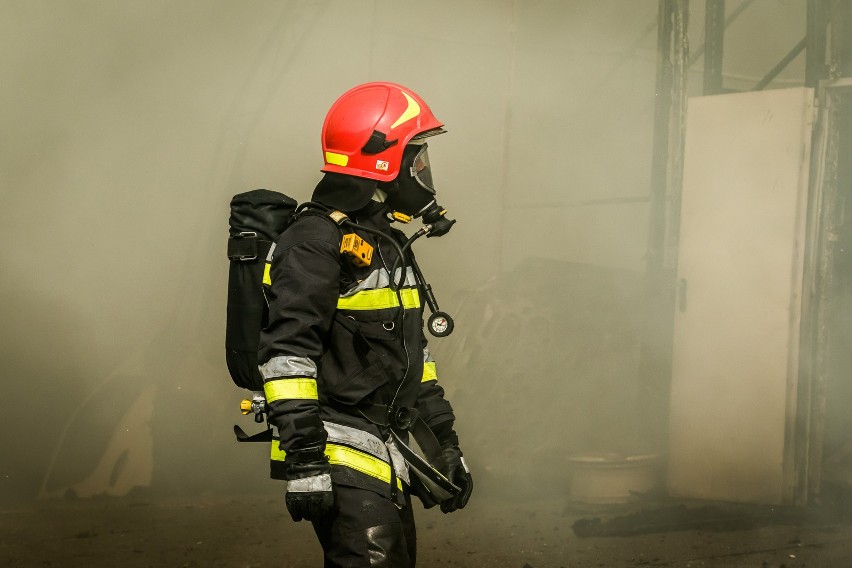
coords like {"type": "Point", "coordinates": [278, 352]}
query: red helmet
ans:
{"type": "Point", "coordinates": [368, 127]}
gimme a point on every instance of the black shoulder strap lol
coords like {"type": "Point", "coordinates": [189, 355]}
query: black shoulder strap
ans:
{"type": "Point", "coordinates": [319, 210]}
{"type": "Point", "coordinates": [332, 216]}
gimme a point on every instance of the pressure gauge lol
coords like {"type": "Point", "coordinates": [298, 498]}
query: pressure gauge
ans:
{"type": "Point", "coordinates": [440, 324]}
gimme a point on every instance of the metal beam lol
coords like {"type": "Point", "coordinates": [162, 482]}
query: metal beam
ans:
{"type": "Point", "coordinates": [660, 148]}
{"type": "Point", "coordinates": [670, 117]}
{"type": "Point", "coordinates": [714, 40]}
{"type": "Point", "coordinates": [735, 13]}
{"type": "Point", "coordinates": [817, 42]}
{"type": "Point", "coordinates": [800, 47]}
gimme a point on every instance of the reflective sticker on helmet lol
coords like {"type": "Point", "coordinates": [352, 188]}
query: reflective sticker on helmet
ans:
{"type": "Point", "coordinates": [382, 165]}
{"type": "Point", "coordinates": [412, 110]}
{"type": "Point", "coordinates": [336, 159]}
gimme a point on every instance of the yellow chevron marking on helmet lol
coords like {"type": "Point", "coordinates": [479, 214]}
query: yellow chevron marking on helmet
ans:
{"type": "Point", "coordinates": [410, 112]}
{"type": "Point", "coordinates": [336, 159]}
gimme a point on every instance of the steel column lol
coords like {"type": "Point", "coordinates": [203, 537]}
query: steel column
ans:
{"type": "Point", "coordinates": [714, 42]}
{"type": "Point", "coordinates": [827, 59]}
{"type": "Point", "coordinates": [666, 175]}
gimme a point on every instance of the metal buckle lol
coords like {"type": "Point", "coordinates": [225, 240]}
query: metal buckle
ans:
{"type": "Point", "coordinates": [403, 417]}
{"type": "Point", "coordinates": [244, 235]}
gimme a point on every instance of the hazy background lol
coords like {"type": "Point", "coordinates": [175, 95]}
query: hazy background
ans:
{"type": "Point", "coordinates": [126, 127]}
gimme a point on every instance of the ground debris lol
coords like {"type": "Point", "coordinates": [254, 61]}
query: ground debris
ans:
{"type": "Point", "coordinates": [668, 519]}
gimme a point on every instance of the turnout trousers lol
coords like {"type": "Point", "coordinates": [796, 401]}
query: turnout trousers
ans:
{"type": "Point", "coordinates": [368, 531]}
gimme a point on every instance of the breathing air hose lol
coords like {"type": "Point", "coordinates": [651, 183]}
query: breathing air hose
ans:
{"type": "Point", "coordinates": [440, 324]}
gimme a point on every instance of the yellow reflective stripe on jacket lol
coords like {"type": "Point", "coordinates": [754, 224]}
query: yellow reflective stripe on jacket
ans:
{"type": "Point", "coordinates": [430, 373]}
{"type": "Point", "coordinates": [267, 278]}
{"type": "Point", "coordinates": [349, 457]}
{"type": "Point", "coordinates": [290, 389]}
{"type": "Point", "coordinates": [359, 461]}
{"type": "Point", "coordinates": [380, 299]}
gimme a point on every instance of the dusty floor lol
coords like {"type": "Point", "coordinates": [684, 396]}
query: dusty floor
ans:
{"type": "Point", "coordinates": [256, 532]}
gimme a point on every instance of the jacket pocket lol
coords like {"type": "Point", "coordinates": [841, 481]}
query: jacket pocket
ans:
{"type": "Point", "coordinates": [352, 368]}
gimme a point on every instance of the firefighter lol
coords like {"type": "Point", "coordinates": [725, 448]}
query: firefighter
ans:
{"type": "Point", "coordinates": [348, 376]}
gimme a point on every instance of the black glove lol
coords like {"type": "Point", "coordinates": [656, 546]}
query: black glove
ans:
{"type": "Point", "coordinates": [310, 494]}
{"type": "Point", "coordinates": [460, 476]}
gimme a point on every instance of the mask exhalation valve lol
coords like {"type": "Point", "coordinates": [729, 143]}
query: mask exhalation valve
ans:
{"type": "Point", "coordinates": [435, 218]}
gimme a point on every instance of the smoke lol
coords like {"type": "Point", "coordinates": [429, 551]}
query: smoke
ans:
{"type": "Point", "coordinates": [127, 126]}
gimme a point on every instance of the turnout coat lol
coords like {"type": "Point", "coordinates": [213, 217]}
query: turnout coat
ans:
{"type": "Point", "coordinates": [340, 340]}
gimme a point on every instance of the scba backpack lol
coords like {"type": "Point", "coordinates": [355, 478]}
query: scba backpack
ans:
{"type": "Point", "coordinates": [258, 218]}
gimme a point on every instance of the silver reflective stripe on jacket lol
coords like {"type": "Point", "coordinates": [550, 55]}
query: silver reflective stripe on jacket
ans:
{"type": "Point", "coordinates": [288, 366]}
{"type": "Point", "coordinates": [410, 279]}
{"type": "Point", "coordinates": [400, 466]}
{"type": "Point", "coordinates": [380, 278]}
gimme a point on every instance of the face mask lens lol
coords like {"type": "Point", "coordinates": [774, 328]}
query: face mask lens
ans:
{"type": "Point", "coordinates": [412, 192]}
{"type": "Point", "coordinates": [422, 171]}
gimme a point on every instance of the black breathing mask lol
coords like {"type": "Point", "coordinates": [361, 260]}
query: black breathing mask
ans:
{"type": "Point", "coordinates": [412, 193]}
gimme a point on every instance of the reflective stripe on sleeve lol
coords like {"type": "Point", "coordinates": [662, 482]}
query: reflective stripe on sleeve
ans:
{"type": "Point", "coordinates": [380, 299]}
{"type": "Point", "coordinates": [288, 366]}
{"type": "Point", "coordinates": [430, 373]}
{"type": "Point", "coordinates": [310, 484]}
{"type": "Point", "coordinates": [290, 389]}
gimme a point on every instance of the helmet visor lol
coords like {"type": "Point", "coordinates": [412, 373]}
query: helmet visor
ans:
{"type": "Point", "coordinates": [421, 170]}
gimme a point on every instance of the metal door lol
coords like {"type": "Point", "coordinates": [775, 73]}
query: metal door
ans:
{"type": "Point", "coordinates": [736, 344]}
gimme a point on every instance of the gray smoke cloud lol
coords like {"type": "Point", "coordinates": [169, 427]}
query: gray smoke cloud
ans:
{"type": "Point", "coordinates": [127, 126]}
